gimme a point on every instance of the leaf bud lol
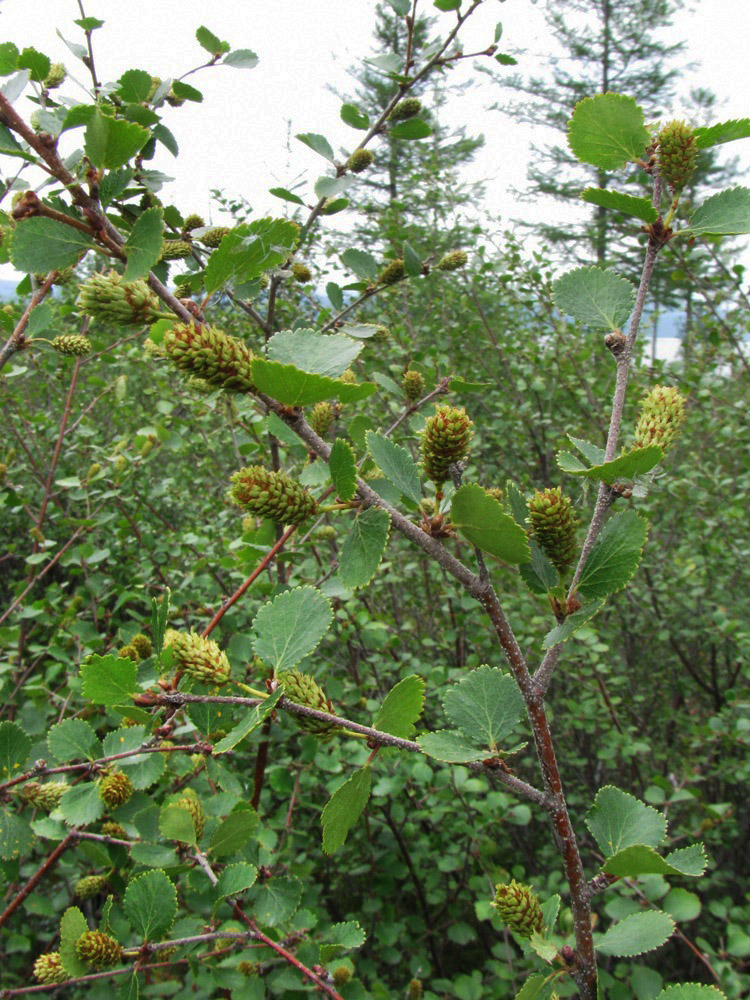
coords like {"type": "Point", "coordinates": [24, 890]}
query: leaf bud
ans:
{"type": "Point", "coordinates": [72, 345]}
{"type": "Point", "coordinates": [452, 261]}
{"type": "Point", "coordinates": [199, 658]}
{"type": "Point", "coordinates": [677, 153]}
{"type": "Point", "coordinates": [413, 385]}
{"type": "Point", "coordinates": [98, 949]}
{"type": "Point", "coordinates": [405, 109]}
{"type": "Point", "coordinates": [360, 160]}
{"type": "Point", "coordinates": [553, 524]}
{"type": "Point", "coordinates": [392, 272]}
{"type": "Point", "coordinates": [661, 416]}
{"type": "Point", "coordinates": [272, 494]}
{"type": "Point", "coordinates": [518, 907]}
{"type": "Point", "coordinates": [115, 789]}
{"type": "Point", "coordinates": [445, 440]}
{"type": "Point", "coordinates": [48, 969]}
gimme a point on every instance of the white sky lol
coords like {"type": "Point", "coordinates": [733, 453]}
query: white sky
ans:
{"type": "Point", "coordinates": [238, 138]}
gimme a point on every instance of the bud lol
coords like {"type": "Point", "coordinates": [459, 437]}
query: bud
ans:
{"type": "Point", "coordinates": [518, 907]}
{"type": "Point", "coordinates": [677, 153]}
{"type": "Point", "coordinates": [452, 261]}
{"type": "Point", "coordinates": [553, 524]}
{"type": "Point", "coordinates": [392, 272]}
{"type": "Point", "coordinates": [94, 470]}
{"type": "Point", "coordinates": [176, 249]}
{"type": "Point", "coordinates": [98, 949]}
{"type": "Point", "coordinates": [48, 969]}
{"type": "Point", "coordinates": [55, 77]}
{"type": "Point", "coordinates": [301, 272]}
{"type": "Point", "coordinates": [348, 378]}
{"type": "Point", "coordinates": [415, 989]}
{"type": "Point", "coordinates": [211, 354]}
{"type": "Point", "coordinates": [142, 645]}
{"type": "Point", "coordinates": [360, 160]}
{"type": "Point", "coordinates": [45, 797]}
{"type": "Point", "coordinates": [660, 419]}
{"type": "Point", "coordinates": [72, 345]}
{"type": "Point", "coordinates": [110, 829]}
{"type": "Point", "coordinates": [89, 886]}
{"type": "Point", "coordinates": [108, 298]}
{"type": "Point", "coordinates": [405, 109]}
{"type": "Point", "coordinates": [129, 653]}
{"type": "Point", "coordinates": [192, 222]}
{"type": "Point", "coordinates": [342, 974]}
{"type": "Point", "coordinates": [115, 789]}
{"type": "Point", "coordinates": [413, 385]}
{"type": "Point", "coordinates": [199, 658]}
{"type": "Point", "coordinates": [214, 236]}
{"type": "Point", "coordinates": [321, 418]}
{"type": "Point", "coordinates": [192, 803]}
{"type": "Point", "coordinates": [303, 689]}
{"type": "Point", "coordinates": [272, 494]}
{"type": "Point", "coordinates": [445, 440]}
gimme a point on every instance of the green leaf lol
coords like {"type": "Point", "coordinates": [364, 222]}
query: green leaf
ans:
{"type": "Point", "coordinates": [40, 318]}
{"type": "Point", "coordinates": [446, 4]}
{"type": "Point", "coordinates": [89, 23]}
{"type": "Point", "coordinates": [235, 879]}
{"type": "Point", "coordinates": [344, 808]}
{"type": "Point", "coordinates": [560, 633]}
{"type": "Point", "coordinates": [159, 618]}
{"type": "Point", "coordinates": [401, 7]}
{"type": "Point", "coordinates": [634, 463]}
{"type": "Point", "coordinates": [8, 58]}
{"type": "Point", "coordinates": [481, 518]}
{"type": "Point", "coordinates": [639, 859]}
{"type": "Point", "coordinates": [618, 820]}
{"type": "Point", "coordinates": [640, 208]}
{"type": "Point", "coordinates": [595, 297]}
{"type": "Point", "coordinates": [186, 93]}
{"type": "Point", "coordinates": [396, 464]}
{"type": "Point", "coordinates": [343, 469]}
{"type": "Point", "coordinates": [111, 142]}
{"type": "Point", "coordinates": [414, 128]}
{"type": "Point", "coordinates": [335, 295]}
{"type": "Point", "coordinates": [607, 131]}
{"type": "Point", "coordinates": [43, 245]}
{"type": "Point", "coordinates": [691, 991]}
{"type": "Point", "coordinates": [505, 60]}
{"type": "Point", "coordinates": [361, 263]}
{"type": "Point", "coordinates": [234, 832]}
{"type": "Point", "coordinates": [355, 118]}
{"type": "Point", "coordinates": [14, 750]}
{"type": "Point", "coordinates": [401, 708]}
{"type": "Point", "coordinates": [150, 904]}
{"type": "Point", "coordinates": [35, 62]}
{"type": "Point", "coordinates": [241, 59]}
{"type": "Point", "coordinates": [208, 41]}
{"type": "Point", "coordinates": [291, 626]}
{"type": "Point", "coordinates": [249, 250]}
{"type": "Point", "coordinates": [328, 187]}
{"type": "Point", "coordinates": [134, 86]}
{"type": "Point", "coordinates": [615, 555]}
{"type": "Point", "coordinates": [486, 706]}
{"type": "Point", "coordinates": [342, 937]}
{"type": "Point", "coordinates": [537, 987]}
{"type": "Point", "coordinates": [310, 351]}
{"type": "Point", "coordinates": [176, 823]}
{"type": "Point", "coordinates": [412, 261]}
{"type": "Point", "coordinates": [285, 195]}
{"type": "Point", "coordinates": [276, 900]}
{"type": "Point", "coordinates": [81, 804]}
{"type": "Point", "coordinates": [539, 575]}
{"type": "Point", "coordinates": [16, 836]}
{"type": "Point", "coordinates": [724, 214]}
{"type": "Point", "coordinates": [682, 905]}
{"type": "Point", "coordinates": [636, 934]}
{"type": "Point", "coordinates": [72, 926]}
{"type": "Point", "coordinates": [144, 244]}
{"type": "Point", "coordinates": [292, 387]}
{"type": "Point", "coordinates": [714, 135]}
{"type": "Point", "coordinates": [254, 718]}
{"type": "Point", "coordinates": [318, 143]}
{"type": "Point", "coordinates": [363, 547]}
{"type": "Point", "coordinates": [10, 147]}
{"type": "Point", "coordinates": [72, 739]}
{"type": "Point", "coordinates": [451, 747]}
{"type": "Point", "coordinates": [108, 680]}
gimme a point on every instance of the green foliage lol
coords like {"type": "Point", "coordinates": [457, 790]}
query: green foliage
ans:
{"type": "Point", "coordinates": [363, 547]}
{"type": "Point", "coordinates": [481, 519]}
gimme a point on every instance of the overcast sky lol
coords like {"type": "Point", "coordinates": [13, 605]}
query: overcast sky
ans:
{"type": "Point", "coordinates": [238, 138]}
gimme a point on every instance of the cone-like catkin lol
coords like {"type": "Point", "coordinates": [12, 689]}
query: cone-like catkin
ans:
{"type": "Point", "coordinates": [199, 658]}
{"type": "Point", "coordinates": [48, 969]}
{"type": "Point", "coordinates": [214, 236]}
{"type": "Point", "coordinates": [360, 160]}
{"type": "Point", "coordinates": [341, 975]}
{"type": "Point", "coordinates": [192, 222]}
{"type": "Point", "coordinates": [349, 378]}
{"type": "Point", "coordinates": [452, 261]}
{"type": "Point", "coordinates": [72, 345]}
{"type": "Point", "coordinates": [110, 829]}
{"type": "Point", "coordinates": [660, 419]}
{"type": "Point", "coordinates": [445, 440]}
{"type": "Point", "coordinates": [381, 336]}
{"type": "Point", "coordinates": [43, 796]}
{"type": "Point", "coordinates": [272, 494]}
{"type": "Point", "coordinates": [518, 907]}
{"type": "Point", "coordinates": [677, 154]}
{"type": "Point", "coordinates": [55, 77]}
{"type": "Point", "coordinates": [106, 297]}
{"type": "Point", "coordinates": [210, 354]}
{"type": "Point", "coordinates": [142, 645]}
{"type": "Point", "coordinates": [392, 272]}
{"type": "Point", "coordinates": [405, 109]}
{"type": "Point", "coordinates": [495, 492]}
{"type": "Point", "coordinates": [176, 249]}
{"type": "Point", "coordinates": [553, 524]}
{"type": "Point", "coordinates": [129, 653]}
{"type": "Point", "coordinates": [115, 789]}
{"type": "Point", "coordinates": [415, 989]}
{"type": "Point", "coordinates": [303, 689]}
{"type": "Point", "coordinates": [98, 949]}
{"type": "Point", "coordinates": [321, 418]}
{"type": "Point", "coordinates": [301, 272]}
{"type": "Point", "coordinates": [194, 807]}
{"type": "Point", "coordinates": [89, 886]}
{"type": "Point", "coordinates": [413, 385]}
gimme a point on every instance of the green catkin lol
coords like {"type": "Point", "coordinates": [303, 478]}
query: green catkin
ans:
{"type": "Point", "coordinates": [275, 495]}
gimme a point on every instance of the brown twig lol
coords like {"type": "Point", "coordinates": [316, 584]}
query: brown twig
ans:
{"type": "Point", "coordinates": [38, 875]}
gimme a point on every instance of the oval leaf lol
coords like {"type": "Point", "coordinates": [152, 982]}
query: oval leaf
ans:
{"type": "Point", "coordinates": [615, 555]}
{"type": "Point", "coordinates": [607, 131]}
{"type": "Point", "coordinates": [636, 934]}
{"type": "Point", "coordinates": [290, 627]}
{"type": "Point", "coordinates": [481, 518]}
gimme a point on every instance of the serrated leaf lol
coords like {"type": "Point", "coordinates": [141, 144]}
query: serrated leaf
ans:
{"type": "Point", "coordinates": [536, 987]}
{"type": "Point", "coordinates": [342, 937]}
{"type": "Point", "coordinates": [451, 747]}
{"type": "Point", "coordinates": [72, 926]}
{"type": "Point", "coordinates": [446, 5]}
{"type": "Point", "coordinates": [401, 708]}
{"type": "Point", "coordinates": [361, 263]}
{"type": "Point", "coordinates": [396, 464]}
{"type": "Point", "coordinates": [354, 118]}
{"type": "Point", "coordinates": [639, 208]}
{"type": "Point", "coordinates": [310, 351]}
{"type": "Point", "coordinates": [412, 261]}
{"type": "Point", "coordinates": [72, 739]}
{"type": "Point", "coordinates": [724, 214]}
{"type": "Point", "coordinates": [292, 387]}
{"type": "Point", "coordinates": [682, 905]}
{"type": "Point", "coordinates": [254, 718]}
{"type": "Point", "coordinates": [14, 750]}
{"type": "Point", "coordinates": [539, 575]}
{"type": "Point", "coordinates": [241, 59]}
{"type": "Point", "coordinates": [691, 991]}
{"type": "Point", "coordinates": [636, 934]}
{"type": "Point", "coordinates": [318, 143]}
{"type": "Point", "coordinates": [108, 680]}
{"type": "Point", "coordinates": [40, 318]}
{"type": "Point", "coordinates": [8, 58]}
{"type": "Point", "coordinates": [81, 804]}
{"type": "Point", "coordinates": [235, 879]}
{"type": "Point", "coordinates": [634, 463]}
{"type": "Point", "coordinates": [618, 820]}
{"type": "Point", "coordinates": [134, 86]}
{"type": "Point", "coordinates": [35, 62]}
{"type": "Point", "coordinates": [344, 808]}
{"type": "Point", "coordinates": [607, 131]}
{"type": "Point", "coordinates": [208, 41]}
{"type": "Point", "coordinates": [595, 297]}
{"type": "Point", "coordinates": [343, 469]}
{"type": "Point", "coordinates": [639, 859]}
{"type": "Point", "coordinates": [144, 244]}
{"type": "Point", "coordinates": [111, 142]}
{"type": "Point", "coordinates": [481, 518]}
{"type": "Point", "coordinates": [249, 250]}
{"type": "Point", "coordinates": [714, 135]}
{"type": "Point", "coordinates": [517, 503]}
{"type": "Point", "coordinates": [291, 626]}
{"type": "Point", "coordinates": [10, 147]}
{"type": "Point", "coordinates": [363, 547]}
{"type": "Point", "coordinates": [16, 836]}
{"type": "Point", "coordinates": [43, 245]}
{"type": "Point", "coordinates": [335, 295]}
{"type": "Point", "coordinates": [547, 950]}
{"type": "Point", "coordinates": [150, 904]}
{"type": "Point", "coordinates": [186, 93]}
{"type": "Point", "coordinates": [329, 187]}
{"type": "Point", "coordinates": [234, 832]}
{"type": "Point", "coordinates": [414, 128]}
{"type": "Point", "coordinates": [615, 555]}
{"type": "Point", "coordinates": [486, 706]}
{"type": "Point", "coordinates": [176, 823]}
{"type": "Point", "coordinates": [560, 633]}
{"type": "Point", "coordinates": [285, 195]}
{"type": "Point", "coordinates": [276, 900]}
